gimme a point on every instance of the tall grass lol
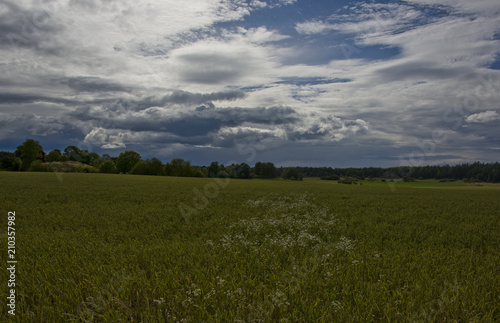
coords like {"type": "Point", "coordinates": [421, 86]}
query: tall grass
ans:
{"type": "Point", "coordinates": [114, 248]}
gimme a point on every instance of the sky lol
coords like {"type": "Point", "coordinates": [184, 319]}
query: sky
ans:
{"type": "Point", "coordinates": [293, 82]}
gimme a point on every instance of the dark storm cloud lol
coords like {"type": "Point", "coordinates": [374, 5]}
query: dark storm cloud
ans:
{"type": "Point", "coordinates": [272, 115]}
{"type": "Point", "coordinates": [32, 124]}
{"type": "Point", "coordinates": [210, 120]}
{"type": "Point", "coordinates": [28, 28]}
{"type": "Point", "coordinates": [19, 98]}
{"type": "Point", "coordinates": [211, 68]}
{"type": "Point", "coordinates": [330, 128]}
{"type": "Point", "coordinates": [242, 137]}
{"type": "Point", "coordinates": [93, 84]}
{"type": "Point", "coordinates": [304, 81]}
{"type": "Point", "coordinates": [197, 122]}
{"type": "Point", "coordinates": [220, 65]}
{"type": "Point", "coordinates": [182, 97]}
{"type": "Point", "coordinates": [210, 126]}
{"type": "Point", "coordinates": [112, 108]}
{"type": "Point", "coordinates": [421, 71]}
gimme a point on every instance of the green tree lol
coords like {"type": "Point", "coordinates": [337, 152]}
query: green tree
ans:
{"type": "Point", "coordinates": [54, 156]}
{"type": "Point", "coordinates": [148, 167]}
{"type": "Point", "coordinates": [265, 170]}
{"type": "Point", "coordinates": [28, 152]}
{"type": "Point", "coordinates": [214, 169]}
{"type": "Point", "coordinates": [89, 158]}
{"type": "Point", "coordinates": [108, 166]}
{"type": "Point", "coordinates": [257, 169]}
{"type": "Point", "coordinates": [243, 171]}
{"type": "Point", "coordinates": [231, 170]}
{"type": "Point", "coordinates": [97, 162]}
{"type": "Point", "coordinates": [127, 160]}
{"type": "Point", "coordinates": [10, 162]}
{"type": "Point", "coordinates": [293, 173]}
{"type": "Point", "coordinates": [73, 153]}
{"type": "Point", "coordinates": [180, 167]}
{"type": "Point", "coordinates": [106, 157]}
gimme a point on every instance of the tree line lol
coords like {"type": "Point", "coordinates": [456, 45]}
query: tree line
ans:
{"type": "Point", "coordinates": [30, 156]}
{"type": "Point", "coordinates": [469, 172]}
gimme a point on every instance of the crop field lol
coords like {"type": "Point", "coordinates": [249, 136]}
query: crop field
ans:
{"type": "Point", "coordinates": [118, 248]}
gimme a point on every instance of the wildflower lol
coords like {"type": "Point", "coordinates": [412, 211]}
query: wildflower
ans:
{"type": "Point", "coordinates": [159, 301]}
{"type": "Point", "coordinates": [337, 306]}
{"type": "Point", "coordinates": [345, 244]}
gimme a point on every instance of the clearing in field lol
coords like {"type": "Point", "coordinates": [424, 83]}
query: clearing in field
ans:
{"type": "Point", "coordinates": [111, 248]}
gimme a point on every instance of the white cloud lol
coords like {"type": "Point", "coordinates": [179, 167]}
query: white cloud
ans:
{"type": "Point", "coordinates": [109, 38]}
{"type": "Point", "coordinates": [487, 7]}
{"type": "Point", "coordinates": [287, 2]}
{"type": "Point", "coordinates": [261, 35]}
{"type": "Point", "coordinates": [314, 27]}
{"type": "Point", "coordinates": [459, 39]}
{"type": "Point", "coordinates": [483, 117]}
{"type": "Point", "coordinates": [258, 4]}
{"type": "Point", "coordinates": [366, 19]}
{"type": "Point", "coordinates": [379, 19]}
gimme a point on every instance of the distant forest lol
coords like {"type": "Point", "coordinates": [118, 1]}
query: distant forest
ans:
{"type": "Point", "coordinates": [30, 156]}
{"type": "Point", "coordinates": [476, 172]}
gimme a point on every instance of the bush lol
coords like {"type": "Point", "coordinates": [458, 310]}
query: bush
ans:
{"type": "Point", "coordinates": [11, 163]}
{"type": "Point", "coordinates": [97, 163]}
{"type": "Point", "coordinates": [38, 166]}
{"type": "Point", "coordinates": [349, 182]}
{"type": "Point", "coordinates": [330, 178]}
{"type": "Point", "coordinates": [108, 167]}
{"type": "Point", "coordinates": [85, 169]}
{"type": "Point", "coordinates": [292, 173]}
{"type": "Point", "coordinates": [447, 180]}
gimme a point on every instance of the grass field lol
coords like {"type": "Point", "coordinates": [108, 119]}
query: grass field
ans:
{"type": "Point", "coordinates": [117, 248]}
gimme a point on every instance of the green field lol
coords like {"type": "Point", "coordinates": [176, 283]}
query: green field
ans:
{"type": "Point", "coordinates": [117, 248]}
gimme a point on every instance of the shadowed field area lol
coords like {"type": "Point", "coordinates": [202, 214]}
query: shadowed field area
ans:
{"type": "Point", "coordinates": [117, 248]}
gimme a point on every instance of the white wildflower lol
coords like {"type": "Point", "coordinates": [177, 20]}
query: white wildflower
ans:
{"type": "Point", "coordinates": [159, 301]}
{"type": "Point", "coordinates": [345, 244]}
{"type": "Point", "coordinates": [337, 306]}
